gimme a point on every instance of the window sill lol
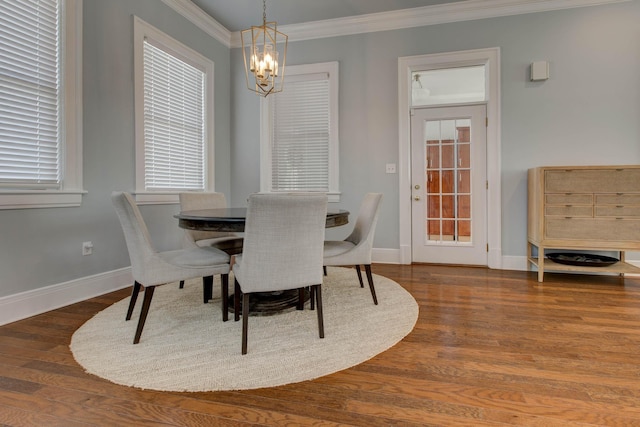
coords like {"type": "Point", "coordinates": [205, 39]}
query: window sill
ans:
{"type": "Point", "coordinates": [40, 199]}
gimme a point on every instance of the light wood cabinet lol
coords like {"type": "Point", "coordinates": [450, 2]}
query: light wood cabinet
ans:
{"type": "Point", "coordinates": [583, 208]}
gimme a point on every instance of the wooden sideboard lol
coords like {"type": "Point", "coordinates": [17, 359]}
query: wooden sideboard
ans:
{"type": "Point", "coordinates": [592, 208]}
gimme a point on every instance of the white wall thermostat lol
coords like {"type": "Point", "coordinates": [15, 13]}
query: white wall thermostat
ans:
{"type": "Point", "coordinates": [539, 71]}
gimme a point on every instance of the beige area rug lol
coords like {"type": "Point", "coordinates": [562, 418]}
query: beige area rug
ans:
{"type": "Point", "coordinates": [185, 346]}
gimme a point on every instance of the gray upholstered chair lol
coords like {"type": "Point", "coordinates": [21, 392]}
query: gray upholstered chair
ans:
{"type": "Point", "coordinates": [356, 248]}
{"type": "Point", "coordinates": [283, 243]}
{"type": "Point", "coordinates": [228, 242]}
{"type": "Point", "coordinates": [151, 268]}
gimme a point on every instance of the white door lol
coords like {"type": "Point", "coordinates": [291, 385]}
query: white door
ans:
{"type": "Point", "coordinates": [449, 185]}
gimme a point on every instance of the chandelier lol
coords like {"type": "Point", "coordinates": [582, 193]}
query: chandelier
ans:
{"type": "Point", "coordinates": [263, 63]}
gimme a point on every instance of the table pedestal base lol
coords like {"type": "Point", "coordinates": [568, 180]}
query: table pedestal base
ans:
{"type": "Point", "coordinates": [270, 303]}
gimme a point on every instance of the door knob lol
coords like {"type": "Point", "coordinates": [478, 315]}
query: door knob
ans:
{"type": "Point", "coordinates": [416, 198]}
{"type": "Point", "coordinates": [417, 186]}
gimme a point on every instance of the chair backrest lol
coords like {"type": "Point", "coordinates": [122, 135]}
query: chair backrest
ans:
{"type": "Point", "coordinates": [191, 201]}
{"type": "Point", "coordinates": [365, 226]}
{"type": "Point", "coordinates": [135, 231]}
{"type": "Point", "coordinates": [283, 242]}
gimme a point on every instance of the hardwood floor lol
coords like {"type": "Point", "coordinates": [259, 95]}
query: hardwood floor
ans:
{"type": "Point", "coordinates": [490, 347]}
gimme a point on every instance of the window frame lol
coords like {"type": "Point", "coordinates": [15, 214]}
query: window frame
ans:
{"type": "Point", "coordinates": [266, 123]}
{"type": "Point", "coordinates": [70, 191]}
{"type": "Point", "coordinates": [143, 30]}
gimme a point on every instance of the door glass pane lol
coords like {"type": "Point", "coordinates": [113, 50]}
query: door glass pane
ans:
{"type": "Point", "coordinates": [448, 180]}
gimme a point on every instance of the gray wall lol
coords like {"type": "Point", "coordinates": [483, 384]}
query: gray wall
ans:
{"type": "Point", "coordinates": [42, 247]}
{"type": "Point", "coordinates": [586, 113]}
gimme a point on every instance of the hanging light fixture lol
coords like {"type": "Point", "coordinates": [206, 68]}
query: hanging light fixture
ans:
{"type": "Point", "coordinates": [263, 63]}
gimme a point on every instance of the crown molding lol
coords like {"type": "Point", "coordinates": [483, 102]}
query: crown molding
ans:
{"type": "Point", "coordinates": [201, 20]}
{"type": "Point", "coordinates": [422, 16]}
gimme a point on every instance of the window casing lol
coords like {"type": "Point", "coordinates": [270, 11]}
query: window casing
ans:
{"type": "Point", "coordinates": [40, 104]}
{"type": "Point", "coordinates": [299, 132]}
{"type": "Point", "coordinates": [174, 117]}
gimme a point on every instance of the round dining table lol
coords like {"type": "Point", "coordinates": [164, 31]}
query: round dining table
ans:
{"type": "Point", "coordinates": [233, 220]}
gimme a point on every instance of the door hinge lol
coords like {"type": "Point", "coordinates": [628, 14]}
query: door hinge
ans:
{"type": "Point", "coordinates": [486, 121]}
{"type": "Point", "coordinates": [487, 247]}
{"type": "Point", "coordinates": [486, 184]}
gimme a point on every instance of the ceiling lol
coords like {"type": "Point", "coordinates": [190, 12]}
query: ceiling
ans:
{"type": "Point", "coordinates": [236, 15]}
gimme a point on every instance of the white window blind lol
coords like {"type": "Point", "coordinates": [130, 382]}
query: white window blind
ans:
{"type": "Point", "coordinates": [301, 125]}
{"type": "Point", "coordinates": [174, 122]}
{"type": "Point", "coordinates": [29, 94]}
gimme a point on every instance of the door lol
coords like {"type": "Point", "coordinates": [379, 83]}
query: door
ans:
{"type": "Point", "coordinates": [449, 185]}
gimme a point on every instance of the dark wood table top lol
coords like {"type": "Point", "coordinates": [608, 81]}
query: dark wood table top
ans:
{"type": "Point", "coordinates": [233, 219]}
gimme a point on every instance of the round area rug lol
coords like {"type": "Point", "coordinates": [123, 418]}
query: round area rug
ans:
{"type": "Point", "coordinates": [185, 345]}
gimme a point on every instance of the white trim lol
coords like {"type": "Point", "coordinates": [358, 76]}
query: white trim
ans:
{"type": "Point", "coordinates": [31, 303]}
{"type": "Point", "coordinates": [422, 16]}
{"type": "Point", "coordinates": [70, 194]}
{"type": "Point", "coordinates": [314, 71]}
{"type": "Point", "coordinates": [141, 31]}
{"type": "Point", "coordinates": [38, 301]}
{"type": "Point", "coordinates": [491, 58]}
{"type": "Point", "coordinates": [201, 19]}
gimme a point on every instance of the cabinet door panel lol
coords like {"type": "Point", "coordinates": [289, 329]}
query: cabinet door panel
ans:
{"type": "Point", "coordinates": [583, 211]}
{"type": "Point", "coordinates": [618, 199]}
{"type": "Point", "coordinates": [618, 211]}
{"type": "Point", "coordinates": [592, 180]}
{"type": "Point", "coordinates": [592, 229]}
{"type": "Point", "coordinates": [569, 199]}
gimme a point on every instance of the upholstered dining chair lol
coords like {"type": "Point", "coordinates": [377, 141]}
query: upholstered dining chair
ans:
{"type": "Point", "coordinates": [283, 243]}
{"type": "Point", "coordinates": [356, 248]}
{"type": "Point", "coordinates": [228, 242]}
{"type": "Point", "coordinates": [151, 268]}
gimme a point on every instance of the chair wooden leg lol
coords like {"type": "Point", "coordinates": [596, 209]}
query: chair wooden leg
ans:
{"type": "Point", "coordinates": [324, 269]}
{"type": "Point", "coordinates": [236, 301]}
{"type": "Point", "coordinates": [207, 288]}
{"type": "Point", "coordinates": [245, 321]}
{"type": "Point", "coordinates": [312, 299]}
{"type": "Point", "coordinates": [370, 279]}
{"type": "Point", "coordinates": [146, 302]}
{"type": "Point", "coordinates": [300, 299]}
{"type": "Point", "coordinates": [318, 291]}
{"type": "Point", "coordinates": [134, 298]}
{"type": "Point", "coordinates": [224, 291]}
{"type": "Point", "coordinates": [181, 284]}
{"type": "Point", "coordinates": [359, 276]}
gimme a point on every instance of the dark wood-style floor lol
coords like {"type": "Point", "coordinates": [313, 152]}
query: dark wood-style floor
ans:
{"type": "Point", "coordinates": [490, 347]}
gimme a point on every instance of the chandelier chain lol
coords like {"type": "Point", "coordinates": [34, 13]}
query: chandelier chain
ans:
{"type": "Point", "coordinates": [264, 12]}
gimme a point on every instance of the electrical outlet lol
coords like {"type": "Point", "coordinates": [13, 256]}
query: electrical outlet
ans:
{"type": "Point", "coordinates": [87, 248]}
{"type": "Point", "coordinates": [391, 168]}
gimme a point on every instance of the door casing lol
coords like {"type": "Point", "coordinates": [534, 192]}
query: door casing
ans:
{"type": "Point", "coordinates": [406, 65]}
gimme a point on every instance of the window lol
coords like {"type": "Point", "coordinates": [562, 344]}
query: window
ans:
{"type": "Point", "coordinates": [174, 116]}
{"type": "Point", "coordinates": [299, 132]}
{"type": "Point", "coordinates": [447, 86]}
{"type": "Point", "coordinates": [40, 103]}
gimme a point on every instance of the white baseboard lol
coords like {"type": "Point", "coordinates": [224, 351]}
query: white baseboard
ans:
{"type": "Point", "coordinates": [30, 303]}
{"type": "Point", "coordinates": [386, 256]}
